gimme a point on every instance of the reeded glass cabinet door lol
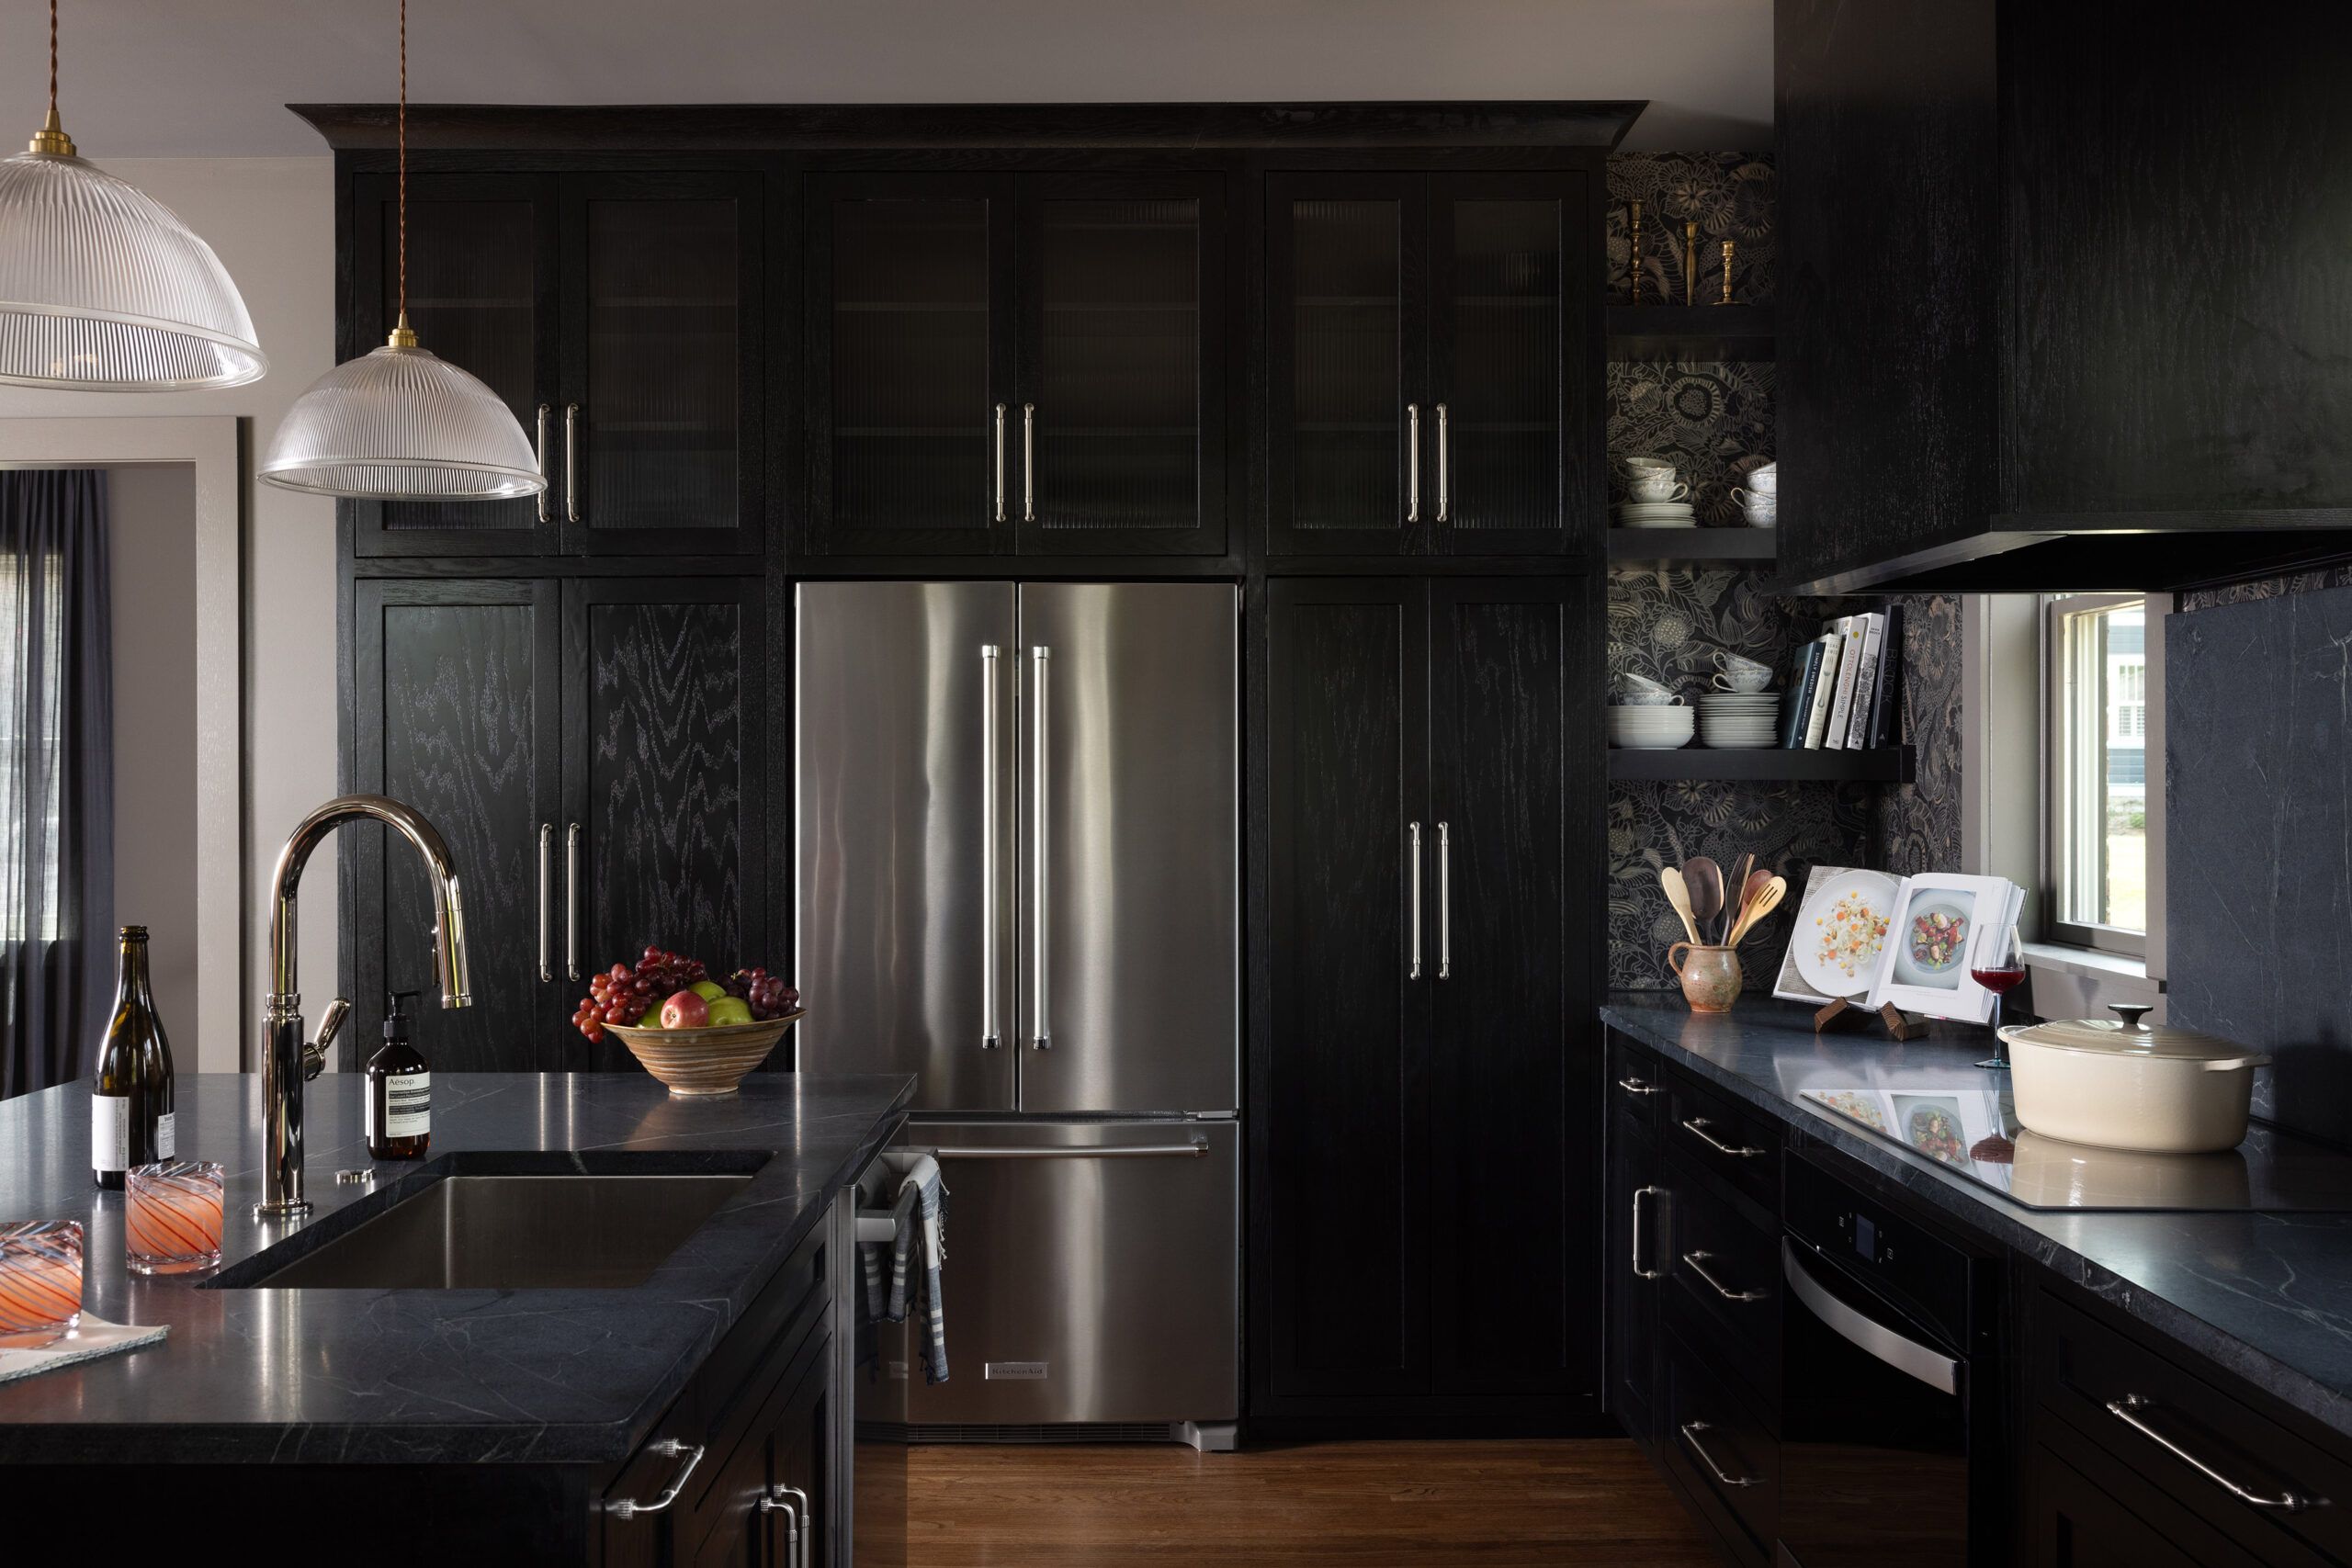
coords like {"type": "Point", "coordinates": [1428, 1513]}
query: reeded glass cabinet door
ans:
{"type": "Point", "coordinates": [482, 292]}
{"type": "Point", "coordinates": [1121, 423]}
{"type": "Point", "coordinates": [1507, 360]}
{"type": "Point", "coordinates": [911, 428]}
{"type": "Point", "coordinates": [1345, 314]}
{"type": "Point", "coordinates": [658, 434]}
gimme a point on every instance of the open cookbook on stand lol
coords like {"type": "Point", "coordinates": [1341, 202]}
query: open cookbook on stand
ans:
{"type": "Point", "coordinates": [1873, 938]}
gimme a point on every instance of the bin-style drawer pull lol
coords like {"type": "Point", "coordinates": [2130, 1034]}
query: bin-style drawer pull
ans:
{"type": "Point", "coordinates": [1690, 1430]}
{"type": "Point", "coordinates": [1697, 1263]}
{"type": "Point", "coordinates": [628, 1507]}
{"type": "Point", "coordinates": [2132, 1410]}
{"type": "Point", "coordinates": [1635, 1086]}
{"type": "Point", "coordinates": [1697, 1127]}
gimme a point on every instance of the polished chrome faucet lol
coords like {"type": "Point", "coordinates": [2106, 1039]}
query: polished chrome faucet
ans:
{"type": "Point", "coordinates": [286, 1063]}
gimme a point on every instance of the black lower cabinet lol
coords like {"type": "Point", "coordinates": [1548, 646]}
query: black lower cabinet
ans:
{"type": "Point", "coordinates": [1635, 1215]}
{"type": "Point", "coordinates": [1424, 1145]}
{"type": "Point", "coordinates": [593, 749]}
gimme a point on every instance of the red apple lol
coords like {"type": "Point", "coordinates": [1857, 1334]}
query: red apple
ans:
{"type": "Point", "coordinates": [685, 1011]}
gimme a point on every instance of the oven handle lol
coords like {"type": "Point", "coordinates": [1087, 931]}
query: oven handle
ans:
{"type": "Point", "coordinates": [1866, 1334]}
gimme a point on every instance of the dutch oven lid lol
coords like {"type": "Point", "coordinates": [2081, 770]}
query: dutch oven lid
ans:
{"type": "Point", "coordinates": [2128, 1034]}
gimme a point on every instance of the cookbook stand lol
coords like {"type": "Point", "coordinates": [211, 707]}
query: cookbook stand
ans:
{"type": "Point", "coordinates": [1901, 1025]}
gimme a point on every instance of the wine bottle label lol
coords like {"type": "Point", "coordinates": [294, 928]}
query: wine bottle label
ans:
{"type": "Point", "coordinates": [110, 1132]}
{"type": "Point", "coordinates": [408, 1105]}
{"type": "Point", "coordinates": [167, 1142]}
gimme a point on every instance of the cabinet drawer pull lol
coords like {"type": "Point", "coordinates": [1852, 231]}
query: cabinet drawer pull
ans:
{"type": "Point", "coordinates": [1690, 1430]}
{"type": "Point", "coordinates": [1697, 1127]}
{"type": "Point", "coordinates": [1635, 1086]}
{"type": "Point", "coordinates": [1640, 1270]}
{"type": "Point", "coordinates": [1697, 1263]}
{"type": "Point", "coordinates": [2131, 1410]}
{"type": "Point", "coordinates": [629, 1508]}
{"type": "Point", "coordinates": [571, 462]}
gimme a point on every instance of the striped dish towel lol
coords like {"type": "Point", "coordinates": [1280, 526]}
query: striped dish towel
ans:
{"type": "Point", "coordinates": [920, 1212]}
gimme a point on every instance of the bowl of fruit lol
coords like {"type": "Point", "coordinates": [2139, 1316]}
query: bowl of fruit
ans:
{"type": "Point", "coordinates": [697, 1034]}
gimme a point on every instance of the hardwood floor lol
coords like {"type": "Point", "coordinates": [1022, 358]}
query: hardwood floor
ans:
{"type": "Point", "coordinates": [1571, 1504]}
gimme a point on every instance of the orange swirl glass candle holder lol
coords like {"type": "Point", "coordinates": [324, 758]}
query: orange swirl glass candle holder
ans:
{"type": "Point", "coordinates": [171, 1217]}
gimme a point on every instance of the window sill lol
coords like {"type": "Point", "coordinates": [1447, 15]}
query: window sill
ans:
{"type": "Point", "coordinates": [2092, 963]}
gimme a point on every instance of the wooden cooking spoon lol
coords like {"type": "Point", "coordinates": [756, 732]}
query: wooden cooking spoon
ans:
{"type": "Point", "coordinates": [1735, 890]}
{"type": "Point", "coordinates": [1679, 894]}
{"type": "Point", "coordinates": [1705, 878]}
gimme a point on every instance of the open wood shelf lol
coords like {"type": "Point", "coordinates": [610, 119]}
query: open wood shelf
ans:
{"type": "Point", "coordinates": [1734, 547]}
{"type": "Point", "coordinates": [1886, 764]}
{"type": "Point", "coordinates": [1701, 332]}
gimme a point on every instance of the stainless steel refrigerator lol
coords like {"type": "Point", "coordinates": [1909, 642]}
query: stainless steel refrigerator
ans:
{"type": "Point", "coordinates": [1019, 880]}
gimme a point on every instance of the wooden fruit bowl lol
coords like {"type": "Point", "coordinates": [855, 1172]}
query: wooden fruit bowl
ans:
{"type": "Point", "coordinates": [703, 1061]}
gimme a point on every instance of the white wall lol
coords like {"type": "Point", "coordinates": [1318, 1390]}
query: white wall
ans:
{"type": "Point", "coordinates": [272, 222]}
{"type": "Point", "coordinates": [151, 527]}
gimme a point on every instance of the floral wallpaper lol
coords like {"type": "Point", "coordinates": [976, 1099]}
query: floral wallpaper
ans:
{"type": "Point", "coordinates": [1728, 195]}
{"type": "Point", "coordinates": [1716, 422]}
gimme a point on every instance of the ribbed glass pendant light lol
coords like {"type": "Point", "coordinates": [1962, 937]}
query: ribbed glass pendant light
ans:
{"type": "Point", "coordinates": [102, 288]}
{"type": "Point", "coordinates": [399, 422]}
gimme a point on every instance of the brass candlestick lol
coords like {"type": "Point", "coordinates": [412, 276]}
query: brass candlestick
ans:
{"type": "Point", "coordinates": [1633, 257]}
{"type": "Point", "coordinates": [1690, 264]}
{"type": "Point", "coordinates": [1727, 245]}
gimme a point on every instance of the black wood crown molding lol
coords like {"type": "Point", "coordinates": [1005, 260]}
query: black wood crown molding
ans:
{"type": "Point", "coordinates": [763, 127]}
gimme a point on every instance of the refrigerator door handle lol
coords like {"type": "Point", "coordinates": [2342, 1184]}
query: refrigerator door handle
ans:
{"type": "Point", "coordinates": [1040, 912]}
{"type": "Point", "coordinates": [991, 1034]}
{"type": "Point", "coordinates": [1198, 1148]}
{"type": "Point", "coordinates": [1444, 902]}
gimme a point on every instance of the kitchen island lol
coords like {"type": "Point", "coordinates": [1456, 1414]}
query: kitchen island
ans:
{"type": "Point", "coordinates": [532, 1423]}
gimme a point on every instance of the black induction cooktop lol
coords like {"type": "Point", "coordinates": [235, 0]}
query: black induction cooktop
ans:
{"type": "Point", "coordinates": [1973, 1130]}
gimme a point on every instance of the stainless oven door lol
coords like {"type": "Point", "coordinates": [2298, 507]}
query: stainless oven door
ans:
{"type": "Point", "coordinates": [1874, 1429]}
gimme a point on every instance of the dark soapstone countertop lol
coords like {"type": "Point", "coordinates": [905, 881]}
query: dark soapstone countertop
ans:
{"type": "Point", "coordinates": [362, 1376]}
{"type": "Point", "coordinates": [2267, 1296]}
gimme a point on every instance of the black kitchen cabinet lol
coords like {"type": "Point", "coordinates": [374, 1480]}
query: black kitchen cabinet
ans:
{"type": "Point", "coordinates": [664, 774]}
{"type": "Point", "coordinates": [457, 711]}
{"type": "Point", "coordinates": [1429, 755]}
{"type": "Point", "coordinates": [621, 317]}
{"type": "Point", "coordinates": [2006, 360]}
{"type": "Point", "coordinates": [593, 751]}
{"type": "Point", "coordinates": [1635, 1204]}
{"type": "Point", "coordinates": [1029, 363]}
{"type": "Point", "coordinates": [1431, 365]}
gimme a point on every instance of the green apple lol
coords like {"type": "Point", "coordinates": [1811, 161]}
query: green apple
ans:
{"type": "Point", "coordinates": [726, 1012]}
{"type": "Point", "coordinates": [652, 1019]}
{"type": "Point", "coordinates": [708, 991]}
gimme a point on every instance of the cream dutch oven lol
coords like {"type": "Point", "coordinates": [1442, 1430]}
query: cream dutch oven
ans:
{"type": "Point", "coordinates": [2120, 1084]}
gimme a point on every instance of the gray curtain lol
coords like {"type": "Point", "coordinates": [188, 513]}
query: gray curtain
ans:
{"type": "Point", "coordinates": [57, 938]}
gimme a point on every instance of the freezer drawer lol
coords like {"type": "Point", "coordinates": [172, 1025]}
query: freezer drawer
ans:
{"type": "Point", "coordinates": [1092, 1276]}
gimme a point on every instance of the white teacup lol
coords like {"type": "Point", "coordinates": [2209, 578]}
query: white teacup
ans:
{"type": "Point", "coordinates": [1766, 479]}
{"type": "Point", "coordinates": [1651, 465]}
{"type": "Point", "coordinates": [1757, 501]}
{"type": "Point", "coordinates": [1739, 665]}
{"type": "Point", "coordinates": [1655, 486]}
{"type": "Point", "coordinates": [1743, 681]}
{"type": "Point", "coordinates": [1639, 697]}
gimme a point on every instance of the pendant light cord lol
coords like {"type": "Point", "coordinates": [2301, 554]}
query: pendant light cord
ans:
{"type": "Point", "coordinates": [404, 156]}
{"type": "Point", "coordinates": [52, 59]}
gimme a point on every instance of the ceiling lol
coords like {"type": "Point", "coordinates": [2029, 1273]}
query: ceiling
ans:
{"type": "Point", "coordinates": [163, 78]}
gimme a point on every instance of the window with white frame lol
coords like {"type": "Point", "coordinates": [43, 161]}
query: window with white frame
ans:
{"type": "Point", "coordinates": [2099, 667]}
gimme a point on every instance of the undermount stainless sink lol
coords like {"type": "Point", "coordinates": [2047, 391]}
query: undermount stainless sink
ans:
{"type": "Point", "coordinates": [511, 1232]}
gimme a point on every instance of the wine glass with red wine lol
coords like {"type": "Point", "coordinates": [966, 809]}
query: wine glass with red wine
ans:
{"type": "Point", "coordinates": [1999, 969]}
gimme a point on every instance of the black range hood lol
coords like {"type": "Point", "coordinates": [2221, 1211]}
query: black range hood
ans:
{"type": "Point", "coordinates": [2065, 301]}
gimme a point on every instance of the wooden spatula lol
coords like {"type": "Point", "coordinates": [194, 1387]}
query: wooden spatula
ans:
{"type": "Point", "coordinates": [1679, 894]}
{"type": "Point", "coordinates": [1763, 904]}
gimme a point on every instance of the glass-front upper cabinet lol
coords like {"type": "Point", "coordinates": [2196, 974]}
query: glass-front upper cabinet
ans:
{"type": "Point", "coordinates": [1431, 346]}
{"type": "Point", "coordinates": [662, 364]}
{"type": "Point", "coordinates": [910, 365]}
{"type": "Point", "coordinates": [1122, 370]}
{"type": "Point", "coordinates": [1030, 364]}
{"type": "Point", "coordinates": [619, 317]}
{"type": "Point", "coordinates": [481, 294]}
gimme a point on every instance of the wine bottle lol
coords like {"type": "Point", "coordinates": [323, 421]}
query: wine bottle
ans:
{"type": "Point", "coordinates": [400, 1091]}
{"type": "Point", "coordinates": [131, 1106]}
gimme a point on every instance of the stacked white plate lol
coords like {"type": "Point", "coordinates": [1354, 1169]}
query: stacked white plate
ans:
{"type": "Point", "coordinates": [1657, 514]}
{"type": "Point", "coordinates": [1741, 721]}
{"type": "Point", "coordinates": [1640, 728]}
